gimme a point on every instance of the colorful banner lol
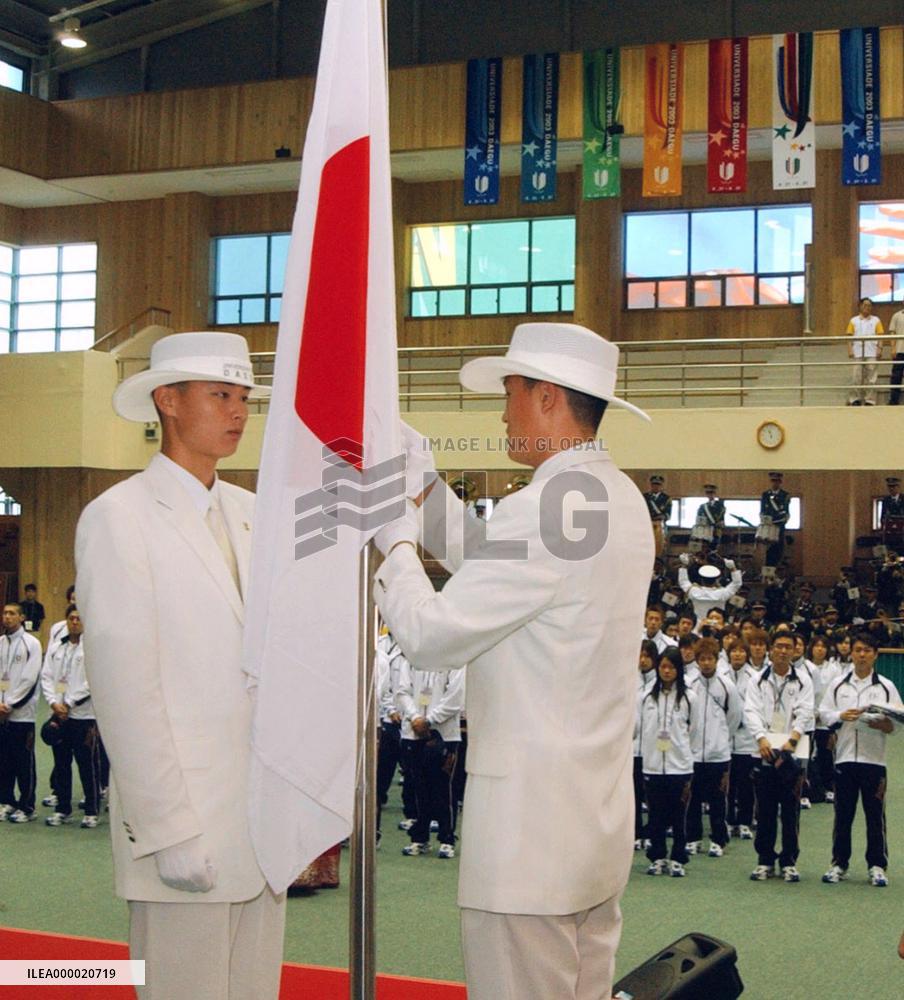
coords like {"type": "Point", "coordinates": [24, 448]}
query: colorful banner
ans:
{"type": "Point", "coordinates": [860, 116]}
{"type": "Point", "coordinates": [602, 131]}
{"type": "Point", "coordinates": [662, 131]}
{"type": "Point", "coordinates": [794, 132]}
{"type": "Point", "coordinates": [484, 113]}
{"type": "Point", "coordinates": [539, 126]}
{"type": "Point", "coordinates": [726, 151]}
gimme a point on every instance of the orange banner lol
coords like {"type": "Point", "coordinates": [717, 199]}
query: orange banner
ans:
{"type": "Point", "coordinates": [663, 111]}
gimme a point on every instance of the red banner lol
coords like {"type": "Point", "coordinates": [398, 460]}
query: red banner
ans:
{"type": "Point", "coordinates": [726, 158]}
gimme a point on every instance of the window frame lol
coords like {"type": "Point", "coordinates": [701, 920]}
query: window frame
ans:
{"type": "Point", "coordinates": [58, 274]}
{"type": "Point", "coordinates": [894, 274]}
{"type": "Point", "coordinates": [268, 297]}
{"type": "Point", "coordinates": [15, 61]}
{"type": "Point", "coordinates": [469, 287]}
{"type": "Point", "coordinates": [690, 279]}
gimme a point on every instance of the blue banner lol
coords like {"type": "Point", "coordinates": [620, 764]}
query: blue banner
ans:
{"type": "Point", "coordinates": [861, 155]}
{"type": "Point", "coordinates": [482, 124]}
{"type": "Point", "coordinates": [539, 127]}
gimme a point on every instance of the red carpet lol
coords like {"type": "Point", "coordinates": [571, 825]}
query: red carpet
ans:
{"type": "Point", "coordinates": [299, 982]}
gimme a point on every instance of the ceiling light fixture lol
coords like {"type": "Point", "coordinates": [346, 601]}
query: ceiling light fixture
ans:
{"type": "Point", "coordinates": [70, 36]}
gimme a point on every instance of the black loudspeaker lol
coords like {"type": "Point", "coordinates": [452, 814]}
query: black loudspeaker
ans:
{"type": "Point", "coordinates": [695, 967]}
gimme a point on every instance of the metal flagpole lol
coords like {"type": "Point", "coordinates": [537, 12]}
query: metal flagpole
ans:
{"type": "Point", "coordinates": [361, 925]}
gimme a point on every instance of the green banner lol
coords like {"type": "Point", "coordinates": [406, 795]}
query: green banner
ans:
{"type": "Point", "coordinates": [602, 98]}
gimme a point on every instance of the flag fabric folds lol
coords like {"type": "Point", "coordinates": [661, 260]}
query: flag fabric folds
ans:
{"type": "Point", "coordinates": [329, 466]}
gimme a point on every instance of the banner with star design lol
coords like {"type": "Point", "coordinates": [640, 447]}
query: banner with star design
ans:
{"type": "Point", "coordinates": [793, 129]}
{"type": "Point", "coordinates": [726, 151]}
{"type": "Point", "coordinates": [663, 113]}
{"type": "Point", "coordinates": [482, 126]}
{"type": "Point", "coordinates": [539, 126]}
{"type": "Point", "coordinates": [861, 146]}
{"type": "Point", "coordinates": [602, 131]}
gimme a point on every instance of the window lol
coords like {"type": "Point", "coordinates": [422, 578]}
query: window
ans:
{"type": "Point", "coordinates": [8, 505]}
{"type": "Point", "coordinates": [248, 274]}
{"type": "Point", "coordinates": [684, 513]}
{"type": "Point", "coordinates": [6, 296]}
{"type": "Point", "coordinates": [487, 268]}
{"type": "Point", "coordinates": [12, 76]}
{"type": "Point", "coordinates": [52, 298]}
{"type": "Point", "coordinates": [716, 257]}
{"type": "Point", "coordinates": [882, 251]}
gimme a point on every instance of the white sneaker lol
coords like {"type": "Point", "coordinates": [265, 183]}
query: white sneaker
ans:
{"type": "Point", "coordinates": [434, 826]}
{"type": "Point", "coordinates": [745, 833]}
{"type": "Point", "coordinates": [414, 849]}
{"type": "Point", "coordinates": [88, 823]}
{"type": "Point", "coordinates": [51, 801]}
{"type": "Point", "coordinates": [830, 797]}
{"type": "Point", "coordinates": [834, 875]}
{"type": "Point", "coordinates": [693, 847]}
{"type": "Point", "coordinates": [446, 851]}
{"type": "Point", "coordinates": [57, 819]}
{"type": "Point", "coordinates": [805, 803]}
{"type": "Point", "coordinates": [5, 813]}
{"type": "Point", "coordinates": [877, 877]}
{"type": "Point", "coordinates": [716, 850]}
{"type": "Point", "coordinates": [406, 824]}
{"type": "Point", "coordinates": [21, 817]}
{"type": "Point", "coordinates": [790, 874]}
{"type": "Point", "coordinates": [658, 867]}
{"type": "Point", "coordinates": [676, 869]}
{"type": "Point", "coordinates": [638, 845]}
{"type": "Point", "coordinates": [762, 872]}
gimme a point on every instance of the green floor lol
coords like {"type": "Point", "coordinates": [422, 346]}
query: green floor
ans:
{"type": "Point", "coordinates": [794, 941]}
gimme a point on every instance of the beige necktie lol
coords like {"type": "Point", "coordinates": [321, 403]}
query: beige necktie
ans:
{"type": "Point", "coordinates": [217, 527]}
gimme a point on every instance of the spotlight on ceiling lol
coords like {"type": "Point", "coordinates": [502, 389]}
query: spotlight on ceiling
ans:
{"type": "Point", "coordinates": [70, 36]}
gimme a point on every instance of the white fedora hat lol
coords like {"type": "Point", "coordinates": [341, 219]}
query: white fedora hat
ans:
{"type": "Point", "coordinates": [187, 357]}
{"type": "Point", "coordinates": [563, 353]}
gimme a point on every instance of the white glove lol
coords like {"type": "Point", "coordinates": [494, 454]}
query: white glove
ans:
{"type": "Point", "coordinates": [730, 565]}
{"type": "Point", "coordinates": [186, 867]}
{"type": "Point", "coordinates": [402, 529]}
{"type": "Point", "coordinates": [684, 559]}
{"type": "Point", "coordinates": [421, 470]}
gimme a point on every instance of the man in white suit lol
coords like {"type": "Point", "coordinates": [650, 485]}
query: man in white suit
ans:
{"type": "Point", "coordinates": [546, 611]}
{"type": "Point", "coordinates": [162, 562]}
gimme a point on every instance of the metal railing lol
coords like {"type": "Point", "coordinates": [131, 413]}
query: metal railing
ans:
{"type": "Point", "coordinates": [751, 371]}
{"type": "Point", "coordinates": [152, 316]}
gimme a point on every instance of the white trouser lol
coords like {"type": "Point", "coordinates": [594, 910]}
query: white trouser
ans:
{"type": "Point", "coordinates": [863, 378]}
{"type": "Point", "coordinates": [510, 956]}
{"type": "Point", "coordinates": [209, 951]}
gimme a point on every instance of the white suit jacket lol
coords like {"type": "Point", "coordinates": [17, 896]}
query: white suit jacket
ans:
{"type": "Point", "coordinates": [551, 647]}
{"type": "Point", "coordinates": [163, 642]}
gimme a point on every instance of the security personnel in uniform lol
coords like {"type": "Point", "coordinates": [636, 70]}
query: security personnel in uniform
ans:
{"type": "Point", "coordinates": [891, 514]}
{"type": "Point", "coordinates": [659, 504]}
{"type": "Point", "coordinates": [775, 509]}
{"type": "Point", "coordinates": [710, 520]}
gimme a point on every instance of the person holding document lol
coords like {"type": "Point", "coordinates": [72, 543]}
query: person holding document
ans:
{"type": "Point", "coordinates": [545, 604]}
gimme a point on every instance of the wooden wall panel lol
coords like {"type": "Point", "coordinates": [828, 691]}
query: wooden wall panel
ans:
{"type": "Point", "coordinates": [186, 260]}
{"type": "Point", "coordinates": [24, 133]}
{"type": "Point", "coordinates": [253, 213]}
{"type": "Point", "coordinates": [180, 129]}
{"type": "Point", "coordinates": [10, 224]}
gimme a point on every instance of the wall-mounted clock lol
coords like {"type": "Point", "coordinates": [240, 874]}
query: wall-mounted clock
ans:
{"type": "Point", "coordinates": [770, 434]}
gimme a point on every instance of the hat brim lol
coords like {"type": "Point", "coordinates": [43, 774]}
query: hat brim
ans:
{"type": "Point", "coordinates": [132, 398]}
{"type": "Point", "coordinates": [486, 374]}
